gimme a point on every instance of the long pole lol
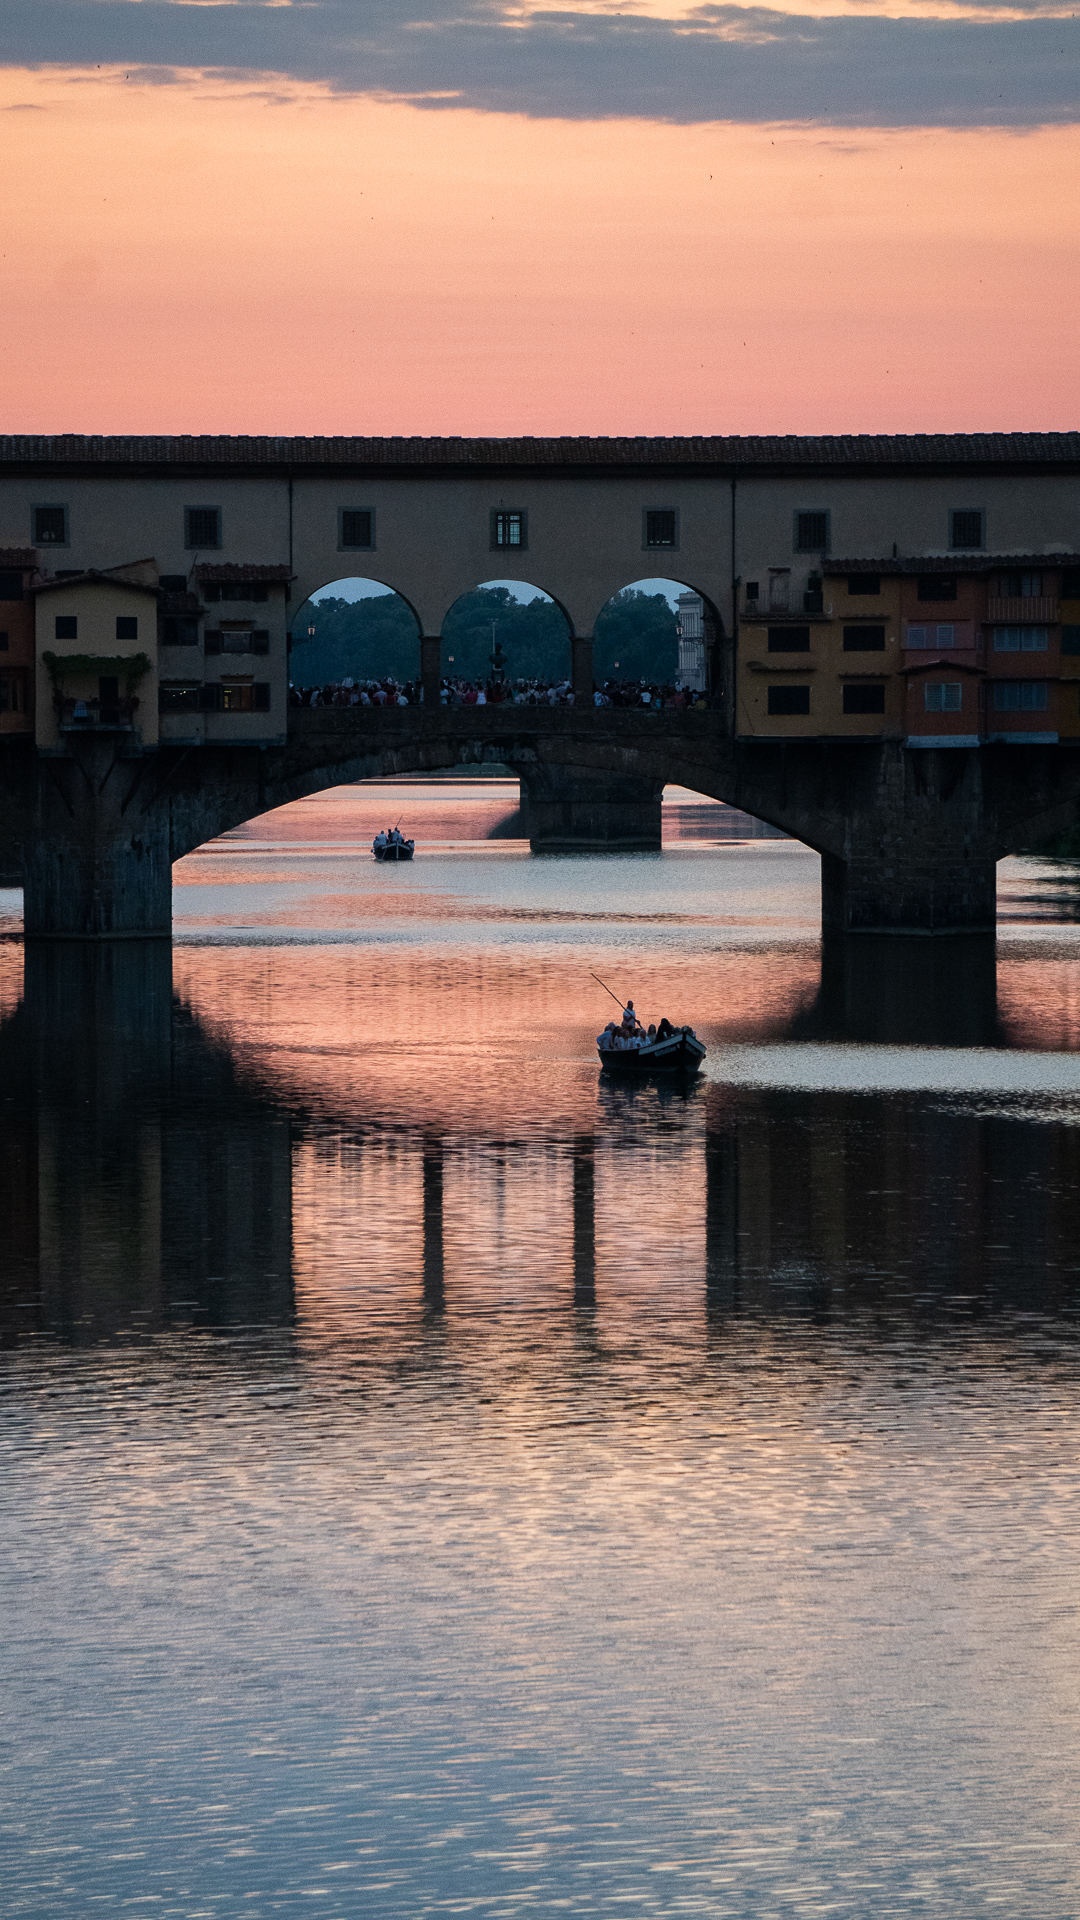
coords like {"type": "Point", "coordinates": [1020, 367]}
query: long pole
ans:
{"type": "Point", "coordinates": [600, 983]}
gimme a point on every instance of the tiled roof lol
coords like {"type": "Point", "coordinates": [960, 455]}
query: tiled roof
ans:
{"type": "Point", "coordinates": [91, 576]}
{"type": "Point", "coordinates": [743, 453]}
{"type": "Point", "coordinates": [18, 557]}
{"type": "Point", "coordinates": [951, 563]}
{"type": "Point", "coordinates": [229, 574]}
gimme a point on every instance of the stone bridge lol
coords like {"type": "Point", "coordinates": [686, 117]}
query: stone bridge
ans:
{"type": "Point", "coordinates": [909, 838]}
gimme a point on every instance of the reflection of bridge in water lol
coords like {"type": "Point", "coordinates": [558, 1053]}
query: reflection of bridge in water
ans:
{"type": "Point", "coordinates": [150, 1181]}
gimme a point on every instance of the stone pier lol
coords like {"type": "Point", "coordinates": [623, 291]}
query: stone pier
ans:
{"type": "Point", "coordinates": [574, 810]}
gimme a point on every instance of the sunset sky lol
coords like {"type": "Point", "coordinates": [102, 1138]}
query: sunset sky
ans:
{"type": "Point", "coordinates": [387, 216]}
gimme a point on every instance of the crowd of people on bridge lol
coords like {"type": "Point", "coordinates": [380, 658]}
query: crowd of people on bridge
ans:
{"type": "Point", "coordinates": [388, 692]}
{"type": "Point", "coordinates": [357, 693]}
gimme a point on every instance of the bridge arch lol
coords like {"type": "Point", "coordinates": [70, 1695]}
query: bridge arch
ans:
{"type": "Point", "coordinates": [354, 627]}
{"type": "Point", "coordinates": [636, 632]}
{"type": "Point", "coordinates": [530, 626]}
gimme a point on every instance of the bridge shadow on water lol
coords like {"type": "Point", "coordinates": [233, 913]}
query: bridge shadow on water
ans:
{"type": "Point", "coordinates": [157, 1183]}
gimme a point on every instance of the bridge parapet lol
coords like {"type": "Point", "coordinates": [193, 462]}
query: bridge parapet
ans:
{"type": "Point", "coordinates": [909, 837]}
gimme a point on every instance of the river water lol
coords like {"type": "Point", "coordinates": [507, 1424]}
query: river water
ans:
{"type": "Point", "coordinates": [436, 1482]}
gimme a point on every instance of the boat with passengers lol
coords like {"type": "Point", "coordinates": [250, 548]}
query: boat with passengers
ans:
{"type": "Point", "coordinates": [390, 845]}
{"type": "Point", "coordinates": [629, 1048]}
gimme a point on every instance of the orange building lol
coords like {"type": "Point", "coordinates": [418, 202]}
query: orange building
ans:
{"type": "Point", "coordinates": [18, 572]}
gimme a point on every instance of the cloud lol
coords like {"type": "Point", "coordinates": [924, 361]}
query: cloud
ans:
{"type": "Point", "coordinates": [718, 63]}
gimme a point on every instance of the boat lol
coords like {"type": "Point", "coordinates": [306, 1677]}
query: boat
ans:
{"type": "Point", "coordinates": [679, 1051]}
{"type": "Point", "coordinates": [391, 846]}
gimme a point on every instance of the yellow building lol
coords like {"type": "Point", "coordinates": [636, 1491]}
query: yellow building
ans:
{"type": "Point", "coordinates": [828, 666]}
{"type": "Point", "coordinates": [96, 651]}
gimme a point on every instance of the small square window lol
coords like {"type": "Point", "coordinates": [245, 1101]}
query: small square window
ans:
{"type": "Point", "coordinates": [50, 526]}
{"type": "Point", "coordinates": [67, 626]}
{"type": "Point", "coordinates": [966, 527]}
{"type": "Point", "coordinates": [753, 588]}
{"type": "Point", "coordinates": [1070, 584]}
{"type": "Point", "coordinates": [864, 699]}
{"type": "Point", "coordinates": [789, 699]}
{"type": "Point", "coordinates": [937, 586]}
{"type": "Point", "coordinates": [509, 529]}
{"type": "Point", "coordinates": [863, 583]}
{"type": "Point", "coordinates": [1070, 640]}
{"type": "Point", "coordinates": [356, 529]}
{"type": "Point", "coordinates": [661, 527]}
{"type": "Point", "coordinates": [11, 586]}
{"type": "Point", "coordinates": [812, 531]}
{"type": "Point", "coordinates": [202, 528]}
{"type": "Point", "coordinates": [127, 627]}
{"type": "Point", "coordinates": [789, 639]}
{"type": "Point", "coordinates": [866, 639]}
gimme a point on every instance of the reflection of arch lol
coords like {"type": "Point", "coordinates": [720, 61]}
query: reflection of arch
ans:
{"type": "Point", "coordinates": [394, 649]}
{"type": "Point", "coordinates": [535, 627]}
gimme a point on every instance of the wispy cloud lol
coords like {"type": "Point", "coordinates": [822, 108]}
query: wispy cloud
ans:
{"type": "Point", "coordinates": [711, 63]}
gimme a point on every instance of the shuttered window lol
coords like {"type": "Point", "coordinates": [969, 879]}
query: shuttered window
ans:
{"type": "Point", "coordinates": [1021, 639]}
{"type": "Point", "coordinates": [943, 696]}
{"type": "Point", "coordinates": [1019, 696]}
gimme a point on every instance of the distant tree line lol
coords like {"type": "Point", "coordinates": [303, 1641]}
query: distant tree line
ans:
{"type": "Point", "coordinates": [369, 639]}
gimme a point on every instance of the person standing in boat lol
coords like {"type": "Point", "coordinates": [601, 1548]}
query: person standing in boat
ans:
{"type": "Point", "coordinates": [630, 1019]}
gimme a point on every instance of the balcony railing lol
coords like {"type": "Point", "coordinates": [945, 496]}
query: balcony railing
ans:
{"type": "Point", "coordinates": [100, 716]}
{"type": "Point", "coordinates": [1044, 610]}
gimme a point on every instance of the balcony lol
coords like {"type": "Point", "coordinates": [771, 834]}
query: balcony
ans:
{"type": "Point", "coordinates": [1043, 611]}
{"type": "Point", "coordinates": [95, 716]}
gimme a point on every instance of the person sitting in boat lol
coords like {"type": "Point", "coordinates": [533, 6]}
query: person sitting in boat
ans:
{"type": "Point", "coordinates": [651, 1035]}
{"type": "Point", "coordinates": [379, 842]}
{"type": "Point", "coordinates": [606, 1040]}
{"type": "Point", "coordinates": [665, 1030]}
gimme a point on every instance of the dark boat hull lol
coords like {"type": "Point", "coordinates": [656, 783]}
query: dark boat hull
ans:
{"type": "Point", "coordinates": [680, 1054]}
{"type": "Point", "coordinates": [393, 853]}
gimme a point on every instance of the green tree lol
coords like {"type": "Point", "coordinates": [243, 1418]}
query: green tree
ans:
{"type": "Point", "coordinates": [533, 635]}
{"type": "Point", "coordinates": [354, 639]}
{"type": "Point", "coordinates": [639, 631]}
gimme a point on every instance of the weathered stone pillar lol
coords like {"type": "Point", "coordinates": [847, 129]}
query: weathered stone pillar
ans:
{"type": "Point", "coordinates": [918, 855]}
{"type": "Point", "coordinates": [908, 891]}
{"type": "Point", "coordinates": [573, 809]}
{"type": "Point", "coordinates": [581, 669]}
{"type": "Point", "coordinates": [431, 667]}
{"type": "Point", "coordinates": [97, 863]}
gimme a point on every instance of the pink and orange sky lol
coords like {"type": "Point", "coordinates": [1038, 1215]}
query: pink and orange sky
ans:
{"type": "Point", "coordinates": [344, 218]}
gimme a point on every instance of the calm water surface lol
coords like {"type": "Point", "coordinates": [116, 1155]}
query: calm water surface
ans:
{"type": "Point", "coordinates": [436, 1482]}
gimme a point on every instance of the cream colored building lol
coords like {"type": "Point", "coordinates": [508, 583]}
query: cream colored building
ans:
{"type": "Point", "coordinates": [96, 655]}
